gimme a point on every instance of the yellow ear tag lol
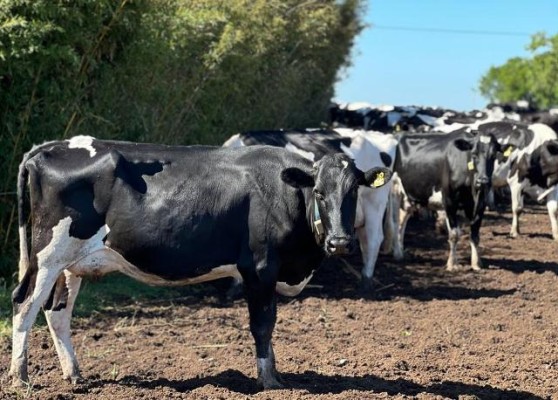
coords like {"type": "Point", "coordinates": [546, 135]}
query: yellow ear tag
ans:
{"type": "Point", "coordinates": [380, 180]}
{"type": "Point", "coordinates": [508, 151]}
{"type": "Point", "coordinates": [470, 166]}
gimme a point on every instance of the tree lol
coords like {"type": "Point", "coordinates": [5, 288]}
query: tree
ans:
{"type": "Point", "coordinates": [534, 78]}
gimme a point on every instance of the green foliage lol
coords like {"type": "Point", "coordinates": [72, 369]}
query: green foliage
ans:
{"type": "Point", "coordinates": [534, 78]}
{"type": "Point", "coordinates": [172, 71]}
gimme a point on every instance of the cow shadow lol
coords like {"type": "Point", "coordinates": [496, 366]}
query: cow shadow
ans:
{"type": "Point", "coordinates": [316, 384]}
{"type": "Point", "coordinates": [520, 266]}
{"type": "Point", "coordinates": [399, 281]}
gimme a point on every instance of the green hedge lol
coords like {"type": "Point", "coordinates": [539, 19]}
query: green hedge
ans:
{"type": "Point", "coordinates": [190, 71]}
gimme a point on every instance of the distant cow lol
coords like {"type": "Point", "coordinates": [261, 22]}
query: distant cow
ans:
{"type": "Point", "coordinates": [521, 141]}
{"type": "Point", "coordinates": [368, 149]}
{"type": "Point", "coordinates": [527, 112]}
{"type": "Point", "coordinates": [388, 118]}
{"type": "Point", "coordinates": [177, 215]}
{"type": "Point", "coordinates": [449, 172]}
{"type": "Point", "coordinates": [537, 173]}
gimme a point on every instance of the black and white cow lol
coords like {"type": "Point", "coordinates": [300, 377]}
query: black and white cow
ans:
{"type": "Point", "coordinates": [173, 216]}
{"type": "Point", "coordinates": [537, 173]}
{"type": "Point", "coordinates": [526, 112]}
{"type": "Point", "coordinates": [519, 142]}
{"type": "Point", "coordinates": [449, 172]}
{"type": "Point", "coordinates": [369, 150]}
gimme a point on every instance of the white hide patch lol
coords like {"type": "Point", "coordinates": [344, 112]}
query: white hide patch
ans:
{"type": "Point", "coordinates": [63, 249]}
{"type": "Point", "coordinates": [288, 290]}
{"type": "Point", "coordinates": [83, 142]}
{"type": "Point", "coordinates": [484, 139]}
{"type": "Point", "coordinates": [357, 106]}
{"type": "Point", "coordinates": [306, 154]}
{"type": "Point", "coordinates": [234, 141]}
{"type": "Point", "coordinates": [345, 164]}
{"type": "Point", "coordinates": [435, 199]}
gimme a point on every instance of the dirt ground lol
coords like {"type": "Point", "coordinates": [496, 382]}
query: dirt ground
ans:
{"type": "Point", "coordinates": [427, 333]}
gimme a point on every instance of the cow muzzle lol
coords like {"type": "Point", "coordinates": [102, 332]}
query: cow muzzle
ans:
{"type": "Point", "coordinates": [481, 181]}
{"type": "Point", "coordinates": [339, 245]}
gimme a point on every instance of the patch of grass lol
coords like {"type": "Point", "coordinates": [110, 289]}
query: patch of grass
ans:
{"type": "Point", "coordinates": [114, 289]}
{"type": "Point", "coordinates": [5, 312]}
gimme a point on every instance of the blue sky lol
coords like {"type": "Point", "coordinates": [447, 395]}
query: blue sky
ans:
{"type": "Point", "coordinates": [438, 69]}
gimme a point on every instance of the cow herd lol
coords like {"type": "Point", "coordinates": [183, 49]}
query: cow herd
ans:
{"type": "Point", "coordinates": [266, 208]}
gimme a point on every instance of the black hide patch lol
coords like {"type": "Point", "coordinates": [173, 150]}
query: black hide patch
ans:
{"type": "Point", "coordinates": [132, 173]}
{"type": "Point", "coordinates": [79, 198]}
{"type": "Point", "coordinates": [386, 158]}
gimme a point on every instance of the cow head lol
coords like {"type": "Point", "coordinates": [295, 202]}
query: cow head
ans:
{"type": "Point", "coordinates": [483, 151]}
{"type": "Point", "coordinates": [334, 182]}
{"type": "Point", "coordinates": [549, 162]}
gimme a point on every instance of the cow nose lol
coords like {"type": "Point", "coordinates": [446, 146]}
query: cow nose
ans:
{"type": "Point", "coordinates": [339, 245]}
{"type": "Point", "coordinates": [482, 180]}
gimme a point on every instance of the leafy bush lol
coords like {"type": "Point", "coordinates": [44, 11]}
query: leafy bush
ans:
{"type": "Point", "coordinates": [179, 72]}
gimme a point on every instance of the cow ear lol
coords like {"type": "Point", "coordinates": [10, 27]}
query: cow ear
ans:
{"type": "Point", "coordinates": [297, 178]}
{"type": "Point", "coordinates": [376, 177]}
{"type": "Point", "coordinates": [463, 144]}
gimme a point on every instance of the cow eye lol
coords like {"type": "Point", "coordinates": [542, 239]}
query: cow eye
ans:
{"type": "Point", "coordinates": [318, 195]}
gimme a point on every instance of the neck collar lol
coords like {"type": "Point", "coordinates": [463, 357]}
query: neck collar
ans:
{"type": "Point", "coordinates": [316, 222]}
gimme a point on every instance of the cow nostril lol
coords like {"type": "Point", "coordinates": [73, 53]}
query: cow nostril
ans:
{"type": "Point", "coordinates": [338, 242]}
{"type": "Point", "coordinates": [482, 180]}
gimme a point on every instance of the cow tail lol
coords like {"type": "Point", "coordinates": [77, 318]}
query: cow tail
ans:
{"type": "Point", "coordinates": [22, 177]}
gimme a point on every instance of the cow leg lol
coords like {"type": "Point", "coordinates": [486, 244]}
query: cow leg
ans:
{"type": "Point", "coordinates": [24, 317]}
{"type": "Point", "coordinates": [235, 290]}
{"type": "Point", "coordinates": [552, 207]}
{"type": "Point", "coordinates": [389, 225]}
{"type": "Point", "coordinates": [453, 238]}
{"type": "Point", "coordinates": [491, 200]}
{"type": "Point", "coordinates": [59, 325]}
{"type": "Point", "coordinates": [517, 207]}
{"type": "Point", "coordinates": [362, 241]}
{"type": "Point", "coordinates": [262, 306]}
{"type": "Point", "coordinates": [398, 218]}
{"type": "Point", "coordinates": [398, 251]}
{"type": "Point", "coordinates": [374, 236]}
{"type": "Point", "coordinates": [474, 238]}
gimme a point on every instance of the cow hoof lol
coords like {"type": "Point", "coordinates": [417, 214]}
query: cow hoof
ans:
{"type": "Point", "coordinates": [271, 382]}
{"type": "Point", "coordinates": [453, 267]}
{"type": "Point", "coordinates": [514, 235]}
{"type": "Point", "coordinates": [476, 268]}
{"type": "Point", "coordinates": [75, 379]}
{"type": "Point", "coordinates": [366, 285]}
{"type": "Point", "coordinates": [18, 383]}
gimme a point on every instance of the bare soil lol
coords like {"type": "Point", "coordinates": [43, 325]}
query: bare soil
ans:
{"type": "Point", "coordinates": [426, 334]}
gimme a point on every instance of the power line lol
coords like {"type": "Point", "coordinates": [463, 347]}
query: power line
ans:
{"type": "Point", "coordinates": [455, 31]}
